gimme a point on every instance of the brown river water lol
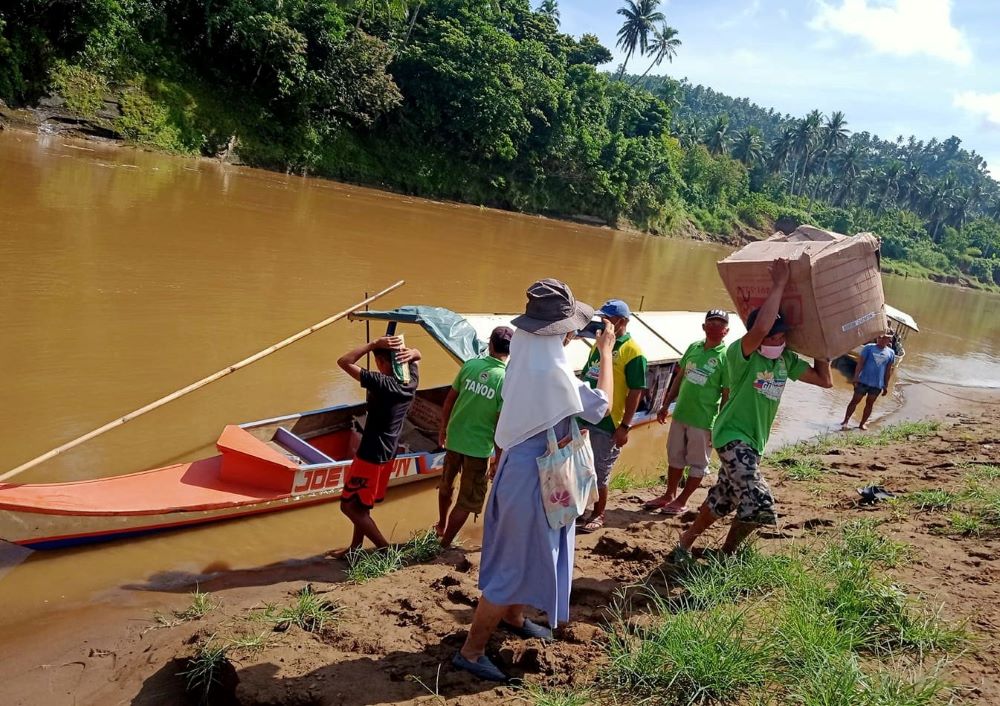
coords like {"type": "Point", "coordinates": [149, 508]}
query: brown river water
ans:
{"type": "Point", "coordinates": [126, 275]}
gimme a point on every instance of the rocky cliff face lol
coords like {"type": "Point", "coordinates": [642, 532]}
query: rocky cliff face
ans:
{"type": "Point", "coordinates": [52, 116]}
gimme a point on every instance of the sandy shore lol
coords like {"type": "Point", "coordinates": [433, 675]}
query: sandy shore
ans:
{"type": "Point", "coordinates": [400, 630]}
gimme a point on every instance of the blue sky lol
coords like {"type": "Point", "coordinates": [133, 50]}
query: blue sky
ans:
{"type": "Point", "coordinates": [929, 68]}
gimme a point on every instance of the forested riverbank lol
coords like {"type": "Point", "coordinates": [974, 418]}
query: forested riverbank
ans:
{"type": "Point", "coordinates": [489, 103]}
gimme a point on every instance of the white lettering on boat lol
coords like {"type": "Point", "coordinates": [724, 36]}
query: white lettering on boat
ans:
{"type": "Point", "coordinates": [312, 480]}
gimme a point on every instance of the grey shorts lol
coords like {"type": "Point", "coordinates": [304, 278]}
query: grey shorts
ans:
{"type": "Point", "coordinates": [689, 447]}
{"type": "Point", "coordinates": [862, 389]}
{"type": "Point", "coordinates": [605, 454]}
{"type": "Point", "coordinates": [741, 487]}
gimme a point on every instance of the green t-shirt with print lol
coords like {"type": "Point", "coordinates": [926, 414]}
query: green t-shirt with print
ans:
{"type": "Point", "coordinates": [628, 367]}
{"type": "Point", "coordinates": [705, 376]}
{"type": "Point", "coordinates": [755, 388]}
{"type": "Point", "coordinates": [473, 420]}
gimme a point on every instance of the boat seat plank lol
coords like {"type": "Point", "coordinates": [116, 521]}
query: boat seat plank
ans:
{"type": "Point", "coordinates": [301, 448]}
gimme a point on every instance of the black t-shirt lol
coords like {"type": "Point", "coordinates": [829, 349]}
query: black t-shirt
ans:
{"type": "Point", "coordinates": [388, 401]}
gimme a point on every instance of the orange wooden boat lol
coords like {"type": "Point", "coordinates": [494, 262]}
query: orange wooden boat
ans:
{"type": "Point", "coordinates": [266, 466]}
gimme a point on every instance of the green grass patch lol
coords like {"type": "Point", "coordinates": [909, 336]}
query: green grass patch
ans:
{"type": "Point", "coordinates": [966, 525]}
{"type": "Point", "coordinates": [816, 624]}
{"type": "Point", "coordinates": [204, 669]}
{"type": "Point", "coordinates": [627, 478]}
{"type": "Point", "coordinates": [364, 564]}
{"type": "Point", "coordinates": [975, 510]}
{"type": "Point", "coordinates": [201, 604]}
{"type": "Point", "coordinates": [698, 656]}
{"type": "Point", "coordinates": [541, 696]}
{"type": "Point", "coordinates": [932, 499]}
{"type": "Point", "coordinates": [805, 469]}
{"type": "Point", "coordinates": [309, 612]}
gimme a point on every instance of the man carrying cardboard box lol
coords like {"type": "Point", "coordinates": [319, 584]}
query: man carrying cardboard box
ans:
{"type": "Point", "coordinates": [759, 366]}
{"type": "Point", "coordinates": [871, 377]}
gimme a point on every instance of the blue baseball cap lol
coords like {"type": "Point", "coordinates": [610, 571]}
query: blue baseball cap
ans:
{"type": "Point", "coordinates": [615, 307]}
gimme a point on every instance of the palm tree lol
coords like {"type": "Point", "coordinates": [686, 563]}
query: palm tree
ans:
{"type": "Point", "coordinates": [835, 134]}
{"type": "Point", "coordinates": [749, 147]}
{"type": "Point", "coordinates": [781, 148]}
{"type": "Point", "coordinates": [549, 8]}
{"type": "Point", "coordinates": [848, 166]}
{"type": "Point", "coordinates": [641, 17]}
{"type": "Point", "coordinates": [663, 46]}
{"type": "Point", "coordinates": [890, 179]}
{"type": "Point", "coordinates": [716, 139]}
{"type": "Point", "coordinates": [937, 203]}
{"type": "Point", "coordinates": [805, 138]}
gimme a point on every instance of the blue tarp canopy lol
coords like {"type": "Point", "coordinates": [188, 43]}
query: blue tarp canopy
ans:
{"type": "Point", "coordinates": [451, 330]}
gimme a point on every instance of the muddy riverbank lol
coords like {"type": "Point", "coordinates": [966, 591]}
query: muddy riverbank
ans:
{"type": "Point", "coordinates": [392, 637]}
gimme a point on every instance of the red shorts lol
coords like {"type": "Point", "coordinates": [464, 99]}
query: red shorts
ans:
{"type": "Point", "coordinates": [366, 481]}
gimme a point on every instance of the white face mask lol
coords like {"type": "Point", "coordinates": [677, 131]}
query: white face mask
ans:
{"type": "Point", "coordinates": [772, 352]}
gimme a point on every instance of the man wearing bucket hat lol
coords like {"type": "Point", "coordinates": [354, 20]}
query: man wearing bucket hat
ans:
{"type": "Point", "coordinates": [609, 435]}
{"type": "Point", "coordinates": [524, 561]}
{"type": "Point", "coordinates": [759, 366]}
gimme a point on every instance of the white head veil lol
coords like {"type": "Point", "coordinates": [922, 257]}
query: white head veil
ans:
{"type": "Point", "coordinates": [539, 388]}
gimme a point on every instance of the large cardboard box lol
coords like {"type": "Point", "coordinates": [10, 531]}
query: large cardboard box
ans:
{"type": "Point", "coordinates": [833, 300]}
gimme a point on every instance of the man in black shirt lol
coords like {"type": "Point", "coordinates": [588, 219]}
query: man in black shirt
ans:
{"type": "Point", "coordinates": [388, 401]}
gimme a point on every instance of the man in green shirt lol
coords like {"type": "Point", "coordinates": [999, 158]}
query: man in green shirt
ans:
{"type": "Point", "coordinates": [629, 372]}
{"type": "Point", "coordinates": [759, 366]}
{"type": "Point", "coordinates": [468, 423]}
{"type": "Point", "coordinates": [700, 384]}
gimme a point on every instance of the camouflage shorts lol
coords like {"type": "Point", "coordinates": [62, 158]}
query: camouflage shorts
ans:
{"type": "Point", "coordinates": [741, 487]}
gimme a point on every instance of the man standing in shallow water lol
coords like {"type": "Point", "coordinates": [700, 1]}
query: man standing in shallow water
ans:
{"type": "Point", "coordinates": [759, 366]}
{"type": "Point", "coordinates": [871, 377]}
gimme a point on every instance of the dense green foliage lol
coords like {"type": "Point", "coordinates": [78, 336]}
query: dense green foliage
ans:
{"type": "Point", "coordinates": [934, 203]}
{"type": "Point", "coordinates": [488, 102]}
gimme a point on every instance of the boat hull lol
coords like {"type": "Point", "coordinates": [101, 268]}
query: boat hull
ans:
{"type": "Point", "coordinates": [45, 530]}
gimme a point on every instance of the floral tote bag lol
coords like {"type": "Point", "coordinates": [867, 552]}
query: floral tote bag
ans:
{"type": "Point", "coordinates": [567, 477]}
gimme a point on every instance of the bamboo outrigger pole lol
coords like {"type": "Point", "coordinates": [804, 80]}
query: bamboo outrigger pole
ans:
{"type": "Point", "coordinates": [195, 385]}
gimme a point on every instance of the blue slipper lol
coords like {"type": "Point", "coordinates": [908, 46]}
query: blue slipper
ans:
{"type": "Point", "coordinates": [482, 668]}
{"type": "Point", "coordinates": [529, 630]}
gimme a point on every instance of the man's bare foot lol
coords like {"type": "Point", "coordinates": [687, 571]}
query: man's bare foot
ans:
{"type": "Point", "coordinates": [863, 427]}
{"type": "Point", "coordinates": [339, 553]}
{"type": "Point", "coordinates": [843, 426]}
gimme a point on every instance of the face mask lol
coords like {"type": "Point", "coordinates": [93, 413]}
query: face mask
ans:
{"type": "Point", "coordinates": [772, 352]}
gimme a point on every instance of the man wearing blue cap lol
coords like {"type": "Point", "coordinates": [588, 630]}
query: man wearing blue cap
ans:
{"type": "Point", "coordinates": [611, 434]}
{"type": "Point", "coordinates": [758, 366]}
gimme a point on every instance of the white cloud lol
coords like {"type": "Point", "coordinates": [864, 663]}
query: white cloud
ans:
{"type": "Point", "coordinates": [984, 105]}
{"type": "Point", "coordinates": [898, 27]}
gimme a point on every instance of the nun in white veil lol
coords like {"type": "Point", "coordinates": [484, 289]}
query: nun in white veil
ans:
{"type": "Point", "coordinates": [524, 561]}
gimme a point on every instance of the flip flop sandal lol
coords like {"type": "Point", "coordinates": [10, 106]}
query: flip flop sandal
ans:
{"type": "Point", "coordinates": [673, 511]}
{"type": "Point", "coordinates": [592, 526]}
{"type": "Point", "coordinates": [482, 668]}
{"type": "Point", "coordinates": [653, 506]}
{"type": "Point", "coordinates": [529, 630]}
